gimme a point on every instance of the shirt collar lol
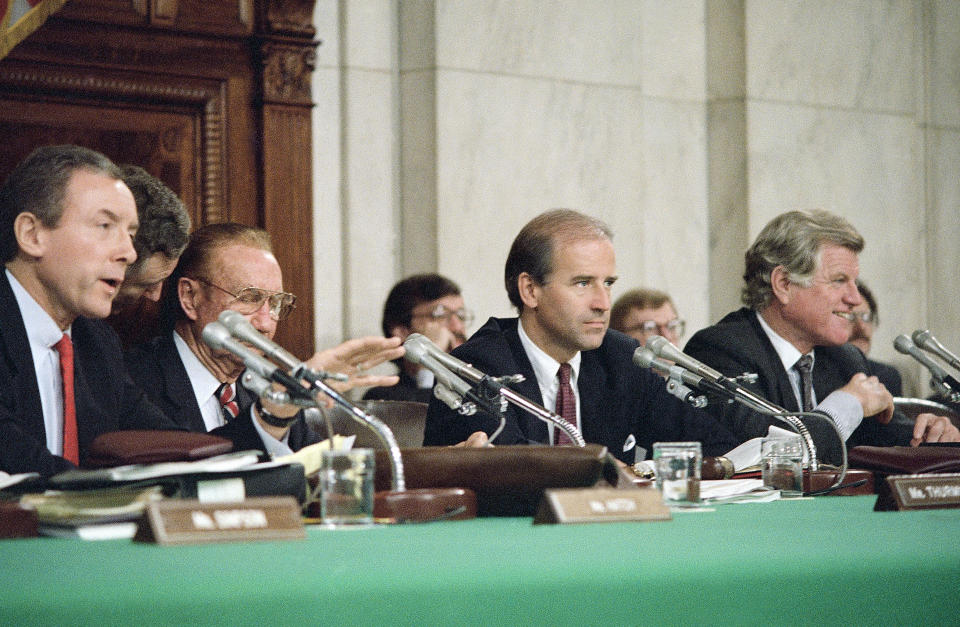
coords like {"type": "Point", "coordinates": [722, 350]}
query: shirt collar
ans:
{"type": "Point", "coordinates": [40, 327]}
{"type": "Point", "coordinates": [786, 351]}
{"type": "Point", "coordinates": [202, 381]}
{"type": "Point", "coordinates": [544, 366]}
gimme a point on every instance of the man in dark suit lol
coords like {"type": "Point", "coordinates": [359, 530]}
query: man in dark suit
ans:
{"type": "Point", "coordinates": [799, 294]}
{"type": "Point", "coordinates": [231, 266]}
{"type": "Point", "coordinates": [163, 234]}
{"type": "Point", "coordinates": [66, 228]}
{"type": "Point", "coordinates": [559, 274]}
{"type": "Point", "coordinates": [866, 319]}
{"type": "Point", "coordinates": [429, 304]}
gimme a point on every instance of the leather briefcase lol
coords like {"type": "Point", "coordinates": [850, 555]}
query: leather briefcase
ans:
{"type": "Point", "coordinates": [119, 448]}
{"type": "Point", "coordinates": [905, 460]}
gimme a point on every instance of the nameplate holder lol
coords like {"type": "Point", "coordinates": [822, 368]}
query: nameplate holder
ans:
{"type": "Point", "coordinates": [188, 521]}
{"type": "Point", "coordinates": [925, 491]}
{"type": "Point", "coordinates": [590, 505]}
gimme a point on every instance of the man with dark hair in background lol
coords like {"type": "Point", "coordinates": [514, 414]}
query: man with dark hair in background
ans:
{"type": "Point", "coordinates": [429, 304]}
{"type": "Point", "coordinates": [558, 275]}
{"type": "Point", "coordinates": [163, 234]}
{"type": "Point", "coordinates": [67, 224]}
{"type": "Point", "coordinates": [799, 298]}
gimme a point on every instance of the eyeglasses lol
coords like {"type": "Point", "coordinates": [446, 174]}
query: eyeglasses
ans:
{"type": "Point", "coordinates": [648, 327]}
{"type": "Point", "coordinates": [867, 317]}
{"type": "Point", "coordinates": [250, 299]}
{"type": "Point", "coordinates": [440, 312]}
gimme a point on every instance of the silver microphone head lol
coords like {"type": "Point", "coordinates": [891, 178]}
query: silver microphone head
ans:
{"type": "Point", "coordinates": [416, 350]}
{"type": "Point", "coordinates": [215, 335]}
{"type": "Point", "coordinates": [643, 357]}
{"type": "Point", "coordinates": [903, 344]}
{"type": "Point", "coordinates": [921, 337]}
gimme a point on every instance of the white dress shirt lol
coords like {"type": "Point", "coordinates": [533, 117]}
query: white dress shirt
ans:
{"type": "Point", "coordinates": [205, 387]}
{"type": "Point", "coordinates": [545, 369]}
{"type": "Point", "coordinates": [842, 407]}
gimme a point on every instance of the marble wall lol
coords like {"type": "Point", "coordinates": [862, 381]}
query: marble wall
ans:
{"type": "Point", "coordinates": [442, 126]}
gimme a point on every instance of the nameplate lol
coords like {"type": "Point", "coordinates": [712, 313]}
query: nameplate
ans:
{"type": "Point", "coordinates": [928, 491]}
{"type": "Point", "coordinates": [589, 505]}
{"type": "Point", "coordinates": [188, 521]}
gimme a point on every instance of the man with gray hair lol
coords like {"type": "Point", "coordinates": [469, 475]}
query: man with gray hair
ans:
{"type": "Point", "coordinates": [799, 297]}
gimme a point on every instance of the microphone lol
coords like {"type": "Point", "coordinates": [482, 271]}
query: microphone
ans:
{"type": "Point", "coordinates": [925, 340]}
{"type": "Point", "coordinates": [422, 344]}
{"type": "Point", "coordinates": [645, 358]}
{"type": "Point", "coordinates": [662, 347]}
{"type": "Point", "coordinates": [418, 351]}
{"type": "Point", "coordinates": [217, 336]}
{"type": "Point", "coordinates": [240, 328]}
{"type": "Point", "coordinates": [943, 382]}
{"type": "Point", "coordinates": [424, 352]}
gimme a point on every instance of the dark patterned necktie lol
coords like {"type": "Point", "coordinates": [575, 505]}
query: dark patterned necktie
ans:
{"type": "Point", "coordinates": [566, 404]}
{"type": "Point", "coordinates": [804, 366]}
{"type": "Point", "coordinates": [228, 401]}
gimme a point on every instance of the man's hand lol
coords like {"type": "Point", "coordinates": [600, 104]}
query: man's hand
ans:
{"type": "Point", "coordinates": [931, 428]}
{"type": "Point", "coordinates": [876, 401]}
{"type": "Point", "coordinates": [477, 439]}
{"type": "Point", "coordinates": [354, 356]}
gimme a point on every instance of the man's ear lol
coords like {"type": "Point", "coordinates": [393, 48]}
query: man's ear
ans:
{"type": "Point", "coordinates": [187, 295]}
{"type": "Point", "coordinates": [529, 290]}
{"type": "Point", "coordinates": [401, 331]}
{"type": "Point", "coordinates": [30, 234]}
{"type": "Point", "coordinates": [780, 284]}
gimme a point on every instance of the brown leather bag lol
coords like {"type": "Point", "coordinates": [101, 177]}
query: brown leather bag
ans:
{"type": "Point", "coordinates": [119, 448]}
{"type": "Point", "coordinates": [905, 460]}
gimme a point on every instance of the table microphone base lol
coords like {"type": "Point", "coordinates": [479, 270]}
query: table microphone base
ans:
{"type": "Point", "coordinates": [425, 504]}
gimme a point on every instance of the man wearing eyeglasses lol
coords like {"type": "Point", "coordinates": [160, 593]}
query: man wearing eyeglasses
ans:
{"type": "Point", "coordinates": [429, 304]}
{"type": "Point", "coordinates": [865, 322]}
{"type": "Point", "coordinates": [643, 313]}
{"type": "Point", "coordinates": [231, 266]}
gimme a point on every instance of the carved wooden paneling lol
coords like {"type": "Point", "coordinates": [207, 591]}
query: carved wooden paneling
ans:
{"type": "Point", "coordinates": [211, 96]}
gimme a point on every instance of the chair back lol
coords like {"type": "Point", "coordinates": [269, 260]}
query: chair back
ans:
{"type": "Point", "coordinates": [406, 419]}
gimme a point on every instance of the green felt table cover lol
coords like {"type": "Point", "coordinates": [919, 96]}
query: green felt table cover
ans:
{"type": "Point", "coordinates": [829, 560]}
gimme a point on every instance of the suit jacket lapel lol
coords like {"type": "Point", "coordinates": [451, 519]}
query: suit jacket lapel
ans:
{"type": "Point", "coordinates": [781, 391]}
{"type": "Point", "coordinates": [589, 385]}
{"type": "Point", "coordinates": [20, 357]}
{"type": "Point", "coordinates": [532, 427]}
{"type": "Point", "coordinates": [177, 387]}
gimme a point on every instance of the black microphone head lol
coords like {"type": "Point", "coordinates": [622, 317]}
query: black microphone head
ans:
{"type": "Point", "coordinates": [216, 335]}
{"type": "Point", "coordinates": [903, 344]}
{"type": "Point", "coordinates": [922, 336]}
{"type": "Point", "coordinates": [643, 357]}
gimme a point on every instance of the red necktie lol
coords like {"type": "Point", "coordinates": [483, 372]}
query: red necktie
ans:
{"type": "Point", "coordinates": [228, 402]}
{"type": "Point", "coordinates": [566, 404]}
{"type": "Point", "coordinates": [71, 449]}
